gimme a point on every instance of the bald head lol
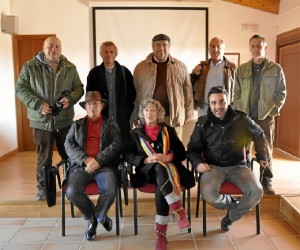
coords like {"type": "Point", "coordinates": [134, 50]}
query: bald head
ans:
{"type": "Point", "coordinates": [52, 48]}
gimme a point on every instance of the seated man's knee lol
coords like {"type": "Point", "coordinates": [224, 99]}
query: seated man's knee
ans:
{"type": "Point", "coordinates": [70, 192]}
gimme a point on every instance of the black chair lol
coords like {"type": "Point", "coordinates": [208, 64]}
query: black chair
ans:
{"type": "Point", "coordinates": [91, 189]}
{"type": "Point", "coordinates": [229, 189]}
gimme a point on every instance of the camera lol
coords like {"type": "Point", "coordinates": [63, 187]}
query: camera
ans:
{"type": "Point", "coordinates": [58, 106]}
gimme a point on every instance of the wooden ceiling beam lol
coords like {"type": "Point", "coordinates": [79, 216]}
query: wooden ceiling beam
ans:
{"type": "Point", "coordinates": [271, 6]}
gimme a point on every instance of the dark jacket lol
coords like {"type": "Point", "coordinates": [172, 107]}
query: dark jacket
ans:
{"type": "Point", "coordinates": [221, 142]}
{"type": "Point", "coordinates": [110, 145]}
{"type": "Point", "coordinates": [135, 155]}
{"type": "Point", "coordinates": [125, 93]}
{"type": "Point", "coordinates": [199, 82]}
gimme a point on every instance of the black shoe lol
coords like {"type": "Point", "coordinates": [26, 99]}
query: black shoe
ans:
{"type": "Point", "coordinates": [108, 224]}
{"type": "Point", "coordinates": [90, 233]}
{"type": "Point", "coordinates": [226, 223]}
{"type": "Point", "coordinates": [268, 189]}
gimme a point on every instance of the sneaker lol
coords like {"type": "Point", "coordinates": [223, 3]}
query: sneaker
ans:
{"type": "Point", "coordinates": [40, 196]}
{"type": "Point", "coordinates": [226, 223]}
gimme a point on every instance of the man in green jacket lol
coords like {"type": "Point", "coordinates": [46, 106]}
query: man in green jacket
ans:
{"type": "Point", "coordinates": [49, 86]}
{"type": "Point", "coordinates": [260, 92]}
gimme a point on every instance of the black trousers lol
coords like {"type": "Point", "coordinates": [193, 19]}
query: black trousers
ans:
{"type": "Point", "coordinates": [268, 126]}
{"type": "Point", "coordinates": [44, 144]}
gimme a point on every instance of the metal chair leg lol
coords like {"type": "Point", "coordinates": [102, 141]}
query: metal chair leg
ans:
{"type": "Point", "coordinates": [204, 217]}
{"type": "Point", "coordinates": [117, 212]}
{"type": "Point", "coordinates": [198, 198]}
{"type": "Point", "coordinates": [257, 218]}
{"type": "Point", "coordinates": [135, 212]}
{"type": "Point", "coordinates": [63, 215]}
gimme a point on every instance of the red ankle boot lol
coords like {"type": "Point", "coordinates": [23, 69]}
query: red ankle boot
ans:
{"type": "Point", "coordinates": [182, 221]}
{"type": "Point", "coordinates": [161, 240]}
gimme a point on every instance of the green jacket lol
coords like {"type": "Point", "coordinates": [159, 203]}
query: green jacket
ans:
{"type": "Point", "coordinates": [272, 89]}
{"type": "Point", "coordinates": [37, 85]}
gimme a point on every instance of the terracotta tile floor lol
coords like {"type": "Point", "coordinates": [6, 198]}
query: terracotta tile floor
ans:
{"type": "Point", "coordinates": [45, 233]}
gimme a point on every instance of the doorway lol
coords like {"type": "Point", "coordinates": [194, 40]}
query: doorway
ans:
{"type": "Point", "coordinates": [288, 123]}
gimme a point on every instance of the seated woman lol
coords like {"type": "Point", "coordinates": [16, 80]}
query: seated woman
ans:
{"type": "Point", "coordinates": [93, 145]}
{"type": "Point", "coordinates": [156, 152]}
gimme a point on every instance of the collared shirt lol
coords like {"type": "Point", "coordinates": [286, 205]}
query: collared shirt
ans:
{"type": "Point", "coordinates": [92, 147]}
{"type": "Point", "coordinates": [255, 91]}
{"type": "Point", "coordinates": [215, 77]}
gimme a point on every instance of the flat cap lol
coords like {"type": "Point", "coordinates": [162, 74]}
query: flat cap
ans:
{"type": "Point", "coordinates": [160, 37]}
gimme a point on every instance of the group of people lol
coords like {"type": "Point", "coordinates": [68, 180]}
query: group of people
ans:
{"type": "Point", "coordinates": [139, 119]}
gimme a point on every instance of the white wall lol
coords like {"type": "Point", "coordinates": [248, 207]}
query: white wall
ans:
{"type": "Point", "coordinates": [8, 136]}
{"type": "Point", "coordinates": [289, 15]}
{"type": "Point", "coordinates": [70, 20]}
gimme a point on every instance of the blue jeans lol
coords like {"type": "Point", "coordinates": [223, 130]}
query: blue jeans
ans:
{"type": "Point", "coordinates": [239, 175]}
{"type": "Point", "coordinates": [107, 183]}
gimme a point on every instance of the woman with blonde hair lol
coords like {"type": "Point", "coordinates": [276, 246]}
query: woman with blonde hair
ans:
{"type": "Point", "coordinates": [157, 152]}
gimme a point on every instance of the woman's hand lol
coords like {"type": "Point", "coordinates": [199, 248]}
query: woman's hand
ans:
{"type": "Point", "coordinates": [158, 158]}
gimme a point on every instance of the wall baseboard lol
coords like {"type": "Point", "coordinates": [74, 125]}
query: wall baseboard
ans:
{"type": "Point", "coordinates": [9, 154]}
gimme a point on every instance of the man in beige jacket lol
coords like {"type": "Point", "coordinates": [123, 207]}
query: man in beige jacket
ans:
{"type": "Point", "coordinates": [167, 80]}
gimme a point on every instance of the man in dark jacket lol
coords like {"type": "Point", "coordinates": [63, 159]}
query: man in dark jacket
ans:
{"type": "Point", "coordinates": [115, 83]}
{"type": "Point", "coordinates": [93, 145]}
{"type": "Point", "coordinates": [216, 149]}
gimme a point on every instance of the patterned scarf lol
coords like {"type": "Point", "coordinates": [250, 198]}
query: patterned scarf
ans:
{"type": "Point", "coordinates": [171, 169]}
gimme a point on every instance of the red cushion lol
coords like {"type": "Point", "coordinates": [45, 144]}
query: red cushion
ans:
{"type": "Point", "coordinates": [149, 188]}
{"type": "Point", "coordinates": [229, 188]}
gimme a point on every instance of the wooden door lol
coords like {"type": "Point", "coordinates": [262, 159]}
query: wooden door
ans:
{"type": "Point", "coordinates": [24, 49]}
{"type": "Point", "coordinates": [288, 123]}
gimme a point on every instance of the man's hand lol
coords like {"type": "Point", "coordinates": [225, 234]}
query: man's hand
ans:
{"type": "Point", "coordinates": [197, 70]}
{"type": "Point", "coordinates": [91, 165]}
{"type": "Point", "coordinates": [190, 119]}
{"type": "Point", "coordinates": [202, 168]}
{"type": "Point", "coordinates": [65, 102]}
{"type": "Point", "coordinates": [46, 109]}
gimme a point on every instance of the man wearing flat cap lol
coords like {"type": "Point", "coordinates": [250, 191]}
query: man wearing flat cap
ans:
{"type": "Point", "coordinates": [93, 145]}
{"type": "Point", "coordinates": [166, 79]}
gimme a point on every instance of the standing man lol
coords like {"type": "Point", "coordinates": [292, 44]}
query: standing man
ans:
{"type": "Point", "coordinates": [216, 150]}
{"type": "Point", "coordinates": [260, 92]}
{"type": "Point", "coordinates": [166, 79]}
{"type": "Point", "coordinates": [115, 83]}
{"type": "Point", "coordinates": [216, 71]}
{"type": "Point", "coordinates": [49, 86]}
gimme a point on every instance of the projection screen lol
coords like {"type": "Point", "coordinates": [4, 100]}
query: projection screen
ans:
{"type": "Point", "coordinates": [132, 29]}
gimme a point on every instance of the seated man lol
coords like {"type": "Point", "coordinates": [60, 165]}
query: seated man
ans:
{"type": "Point", "coordinates": [216, 150]}
{"type": "Point", "coordinates": [93, 145]}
